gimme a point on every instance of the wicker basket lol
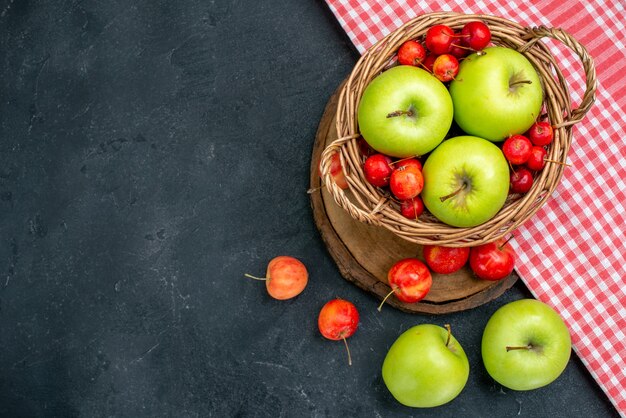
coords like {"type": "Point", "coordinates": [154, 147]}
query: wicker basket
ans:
{"type": "Point", "coordinates": [372, 205]}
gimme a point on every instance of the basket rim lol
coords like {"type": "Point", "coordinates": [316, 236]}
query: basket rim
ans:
{"type": "Point", "coordinates": [369, 204]}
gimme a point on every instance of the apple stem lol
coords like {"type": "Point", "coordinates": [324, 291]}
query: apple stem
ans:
{"type": "Point", "coordinates": [348, 350]}
{"type": "Point", "coordinates": [524, 347]}
{"type": "Point", "coordinates": [454, 193]}
{"type": "Point", "coordinates": [400, 113]}
{"type": "Point", "coordinates": [556, 162]}
{"type": "Point", "coordinates": [256, 278]}
{"type": "Point", "coordinates": [380, 307]}
{"type": "Point", "coordinates": [520, 82]}
{"type": "Point", "coordinates": [447, 326]}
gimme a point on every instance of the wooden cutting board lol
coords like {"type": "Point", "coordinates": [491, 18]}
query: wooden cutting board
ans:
{"type": "Point", "coordinates": [364, 253]}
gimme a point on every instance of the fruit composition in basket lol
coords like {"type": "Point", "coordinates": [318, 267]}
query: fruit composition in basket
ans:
{"type": "Point", "coordinates": [454, 129]}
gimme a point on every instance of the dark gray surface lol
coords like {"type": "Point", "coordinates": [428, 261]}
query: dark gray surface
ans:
{"type": "Point", "coordinates": [150, 154]}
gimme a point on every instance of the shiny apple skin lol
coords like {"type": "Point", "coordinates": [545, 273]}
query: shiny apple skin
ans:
{"type": "Point", "coordinates": [532, 324]}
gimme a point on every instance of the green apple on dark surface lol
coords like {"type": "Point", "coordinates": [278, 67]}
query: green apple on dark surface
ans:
{"type": "Point", "coordinates": [496, 94]}
{"type": "Point", "coordinates": [405, 111]}
{"type": "Point", "coordinates": [425, 367]}
{"type": "Point", "coordinates": [525, 345]}
{"type": "Point", "coordinates": [466, 181]}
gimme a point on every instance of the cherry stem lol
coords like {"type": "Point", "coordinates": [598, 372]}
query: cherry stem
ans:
{"type": "Point", "coordinates": [380, 307]}
{"type": "Point", "coordinates": [425, 67]}
{"type": "Point", "coordinates": [403, 159]}
{"type": "Point", "coordinates": [467, 48]}
{"type": "Point", "coordinates": [500, 247]}
{"type": "Point", "coordinates": [348, 350]}
{"type": "Point", "coordinates": [447, 326]}
{"type": "Point", "coordinates": [520, 82]}
{"type": "Point", "coordinates": [400, 113]}
{"type": "Point", "coordinates": [454, 193]}
{"type": "Point", "coordinates": [524, 347]}
{"type": "Point", "coordinates": [556, 162]}
{"type": "Point", "coordinates": [256, 278]}
{"type": "Point", "coordinates": [314, 189]}
{"type": "Point", "coordinates": [478, 52]}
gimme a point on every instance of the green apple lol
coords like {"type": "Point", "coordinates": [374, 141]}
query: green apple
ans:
{"type": "Point", "coordinates": [425, 367]}
{"type": "Point", "coordinates": [405, 111]}
{"type": "Point", "coordinates": [466, 181]}
{"type": "Point", "coordinates": [526, 345]}
{"type": "Point", "coordinates": [496, 94]}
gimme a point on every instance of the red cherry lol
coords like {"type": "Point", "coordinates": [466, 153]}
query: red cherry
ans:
{"type": "Point", "coordinates": [377, 170]}
{"type": "Point", "coordinates": [285, 278]}
{"type": "Point", "coordinates": [406, 181]}
{"type": "Point", "coordinates": [336, 171]}
{"type": "Point", "coordinates": [408, 163]}
{"type": "Point", "coordinates": [516, 149]}
{"type": "Point", "coordinates": [476, 35]}
{"type": "Point", "coordinates": [521, 180]}
{"type": "Point", "coordinates": [457, 48]}
{"type": "Point", "coordinates": [412, 208]}
{"type": "Point", "coordinates": [410, 280]}
{"type": "Point", "coordinates": [338, 320]}
{"type": "Point", "coordinates": [446, 67]}
{"type": "Point", "coordinates": [438, 39]}
{"type": "Point", "coordinates": [445, 260]}
{"type": "Point", "coordinates": [541, 133]}
{"type": "Point", "coordinates": [429, 61]}
{"type": "Point", "coordinates": [492, 261]}
{"type": "Point", "coordinates": [365, 148]}
{"type": "Point", "coordinates": [411, 53]}
{"type": "Point", "coordinates": [536, 161]}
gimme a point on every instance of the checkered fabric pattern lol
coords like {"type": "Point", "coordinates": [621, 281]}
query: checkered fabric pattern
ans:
{"type": "Point", "coordinates": [572, 252]}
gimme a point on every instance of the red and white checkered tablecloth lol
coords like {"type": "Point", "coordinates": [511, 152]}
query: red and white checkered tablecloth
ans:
{"type": "Point", "coordinates": [572, 253]}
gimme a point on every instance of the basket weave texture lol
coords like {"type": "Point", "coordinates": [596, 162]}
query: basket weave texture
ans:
{"type": "Point", "coordinates": [372, 205]}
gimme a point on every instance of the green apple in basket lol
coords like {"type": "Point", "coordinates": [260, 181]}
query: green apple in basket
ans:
{"type": "Point", "coordinates": [496, 93]}
{"type": "Point", "coordinates": [466, 181]}
{"type": "Point", "coordinates": [405, 111]}
{"type": "Point", "coordinates": [525, 345]}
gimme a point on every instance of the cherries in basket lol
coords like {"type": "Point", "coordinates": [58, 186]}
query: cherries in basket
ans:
{"type": "Point", "coordinates": [455, 140]}
{"type": "Point", "coordinates": [402, 178]}
{"type": "Point", "coordinates": [527, 154]}
{"type": "Point", "coordinates": [442, 48]}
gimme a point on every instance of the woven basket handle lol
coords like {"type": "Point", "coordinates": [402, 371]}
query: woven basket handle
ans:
{"type": "Point", "coordinates": [337, 192]}
{"type": "Point", "coordinates": [536, 33]}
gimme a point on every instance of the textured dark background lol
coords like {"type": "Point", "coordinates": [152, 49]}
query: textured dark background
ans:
{"type": "Point", "coordinates": [150, 154]}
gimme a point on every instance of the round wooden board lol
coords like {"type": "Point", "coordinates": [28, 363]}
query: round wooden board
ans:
{"type": "Point", "coordinates": [364, 253]}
